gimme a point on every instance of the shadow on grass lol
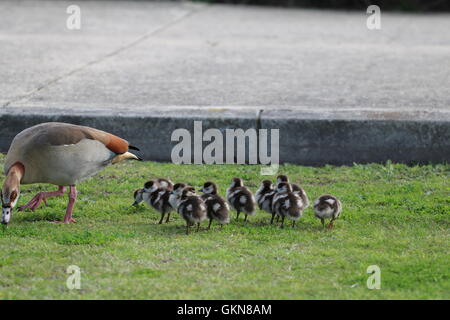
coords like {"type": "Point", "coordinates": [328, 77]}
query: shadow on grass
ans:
{"type": "Point", "coordinates": [36, 216]}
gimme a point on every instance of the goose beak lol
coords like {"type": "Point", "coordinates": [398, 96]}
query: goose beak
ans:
{"type": "Point", "coordinates": [6, 215]}
{"type": "Point", "coordinates": [201, 190]}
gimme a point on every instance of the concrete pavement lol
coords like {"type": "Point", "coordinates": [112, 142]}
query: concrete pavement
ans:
{"type": "Point", "coordinates": [183, 61]}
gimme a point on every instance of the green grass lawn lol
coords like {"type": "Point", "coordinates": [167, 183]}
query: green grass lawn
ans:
{"type": "Point", "coordinates": [394, 216]}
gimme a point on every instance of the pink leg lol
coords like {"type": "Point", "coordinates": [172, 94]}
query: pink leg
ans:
{"type": "Point", "coordinates": [42, 196]}
{"type": "Point", "coordinates": [72, 198]}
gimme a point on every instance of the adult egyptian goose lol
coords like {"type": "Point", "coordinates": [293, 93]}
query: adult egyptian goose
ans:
{"type": "Point", "coordinates": [216, 207]}
{"type": "Point", "coordinates": [295, 188]}
{"type": "Point", "coordinates": [57, 153]}
{"type": "Point", "coordinates": [264, 197]}
{"type": "Point", "coordinates": [241, 198]}
{"type": "Point", "coordinates": [287, 204]}
{"type": "Point", "coordinates": [157, 197]}
{"type": "Point", "coordinates": [327, 207]}
{"type": "Point", "coordinates": [192, 208]}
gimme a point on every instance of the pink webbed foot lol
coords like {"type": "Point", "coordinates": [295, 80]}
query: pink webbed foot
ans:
{"type": "Point", "coordinates": [41, 197]}
{"type": "Point", "coordinates": [33, 204]}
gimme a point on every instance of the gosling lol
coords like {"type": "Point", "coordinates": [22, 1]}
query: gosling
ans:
{"type": "Point", "coordinates": [216, 206]}
{"type": "Point", "coordinates": [287, 204]}
{"type": "Point", "coordinates": [192, 208]}
{"type": "Point", "coordinates": [241, 198]}
{"type": "Point", "coordinates": [327, 207]}
{"type": "Point", "coordinates": [174, 197]}
{"type": "Point", "coordinates": [264, 197]}
{"type": "Point", "coordinates": [163, 183]}
{"type": "Point", "coordinates": [157, 197]}
{"type": "Point", "coordinates": [295, 188]}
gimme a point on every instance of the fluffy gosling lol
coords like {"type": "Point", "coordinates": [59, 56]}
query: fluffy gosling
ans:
{"type": "Point", "coordinates": [192, 208]}
{"type": "Point", "coordinates": [157, 197]}
{"type": "Point", "coordinates": [163, 183]}
{"type": "Point", "coordinates": [327, 207]}
{"type": "Point", "coordinates": [287, 204]}
{"type": "Point", "coordinates": [175, 195]}
{"type": "Point", "coordinates": [264, 197]}
{"type": "Point", "coordinates": [216, 207]}
{"type": "Point", "coordinates": [295, 188]}
{"type": "Point", "coordinates": [241, 198]}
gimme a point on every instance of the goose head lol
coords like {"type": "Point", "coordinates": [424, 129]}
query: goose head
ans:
{"type": "Point", "coordinates": [266, 185]}
{"type": "Point", "coordinates": [151, 186]}
{"type": "Point", "coordinates": [137, 195]}
{"type": "Point", "coordinates": [284, 187]}
{"type": "Point", "coordinates": [282, 178]}
{"type": "Point", "coordinates": [11, 191]}
{"type": "Point", "coordinates": [236, 182]}
{"type": "Point", "coordinates": [187, 192]}
{"type": "Point", "coordinates": [178, 188]}
{"type": "Point", "coordinates": [9, 197]}
{"type": "Point", "coordinates": [209, 188]}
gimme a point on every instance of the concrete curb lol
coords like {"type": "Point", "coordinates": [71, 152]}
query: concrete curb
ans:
{"type": "Point", "coordinates": [307, 137]}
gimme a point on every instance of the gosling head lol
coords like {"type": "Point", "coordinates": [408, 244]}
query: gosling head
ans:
{"type": "Point", "coordinates": [137, 195]}
{"type": "Point", "coordinates": [266, 185]}
{"type": "Point", "coordinates": [284, 187]}
{"type": "Point", "coordinates": [282, 178]}
{"type": "Point", "coordinates": [178, 188]}
{"type": "Point", "coordinates": [237, 182]}
{"type": "Point", "coordinates": [151, 186]}
{"type": "Point", "coordinates": [209, 188]}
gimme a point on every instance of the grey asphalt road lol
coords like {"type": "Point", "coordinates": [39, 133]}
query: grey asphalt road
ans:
{"type": "Point", "coordinates": [133, 55]}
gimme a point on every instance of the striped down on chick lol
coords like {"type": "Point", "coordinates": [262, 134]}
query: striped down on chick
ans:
{"type": "Point", "coordinates": [295, 188]}
{"type": "Point", "coordinates": [158, 198]}
{"type": "Point", "coordinates": [163, 183]}
{"type": "Point", "coordinates": [327, 207]}
{"type": "Point", "coordinates": [216, 206]}
{"type": "Point", "coordinates": [264, 197]}
{"type": "Point", "coordinates": [240, 198]}
{"type": "Point", "coordinates": [175, 195]}
{"type": "Point", "coordinates": [287, 204]}
{"type": "Point", "coordinates": [191, 208]}
{"type": "Point", "coordinates": [137, 195]}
